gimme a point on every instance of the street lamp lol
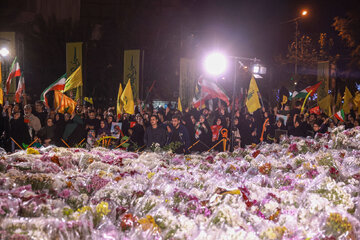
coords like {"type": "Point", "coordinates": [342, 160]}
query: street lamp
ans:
{"type": "Point", "coordinates": [4, 52]}
{"type": "Point", "coordinates": [295, 20]}
{"type": "Point", "coordinates": [215, 64]}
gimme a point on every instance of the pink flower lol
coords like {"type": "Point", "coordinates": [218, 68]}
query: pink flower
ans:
{"type": "Point", "coordinates": [65, 193]}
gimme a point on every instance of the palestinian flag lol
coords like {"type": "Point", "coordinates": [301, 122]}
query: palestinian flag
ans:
{"type": "Point", "coordinates": [14, 72]}
{"type": "Point", "coordinates": [58, 85]}
{"type": "Point", "coordinates": [20, 89]}
{"type": "Point", "coordinates": [340, 115]}
{"type": "Point", "coordinates": [303, 93]}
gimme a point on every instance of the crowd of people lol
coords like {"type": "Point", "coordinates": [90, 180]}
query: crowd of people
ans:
{"type": "Point", "coordinates": [193, 129]}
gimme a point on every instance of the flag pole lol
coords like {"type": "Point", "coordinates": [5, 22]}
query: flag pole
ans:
{"type": "Point", "coordinates": [303, 106]}
{"type": "Point", "coordinates": [150, 89]}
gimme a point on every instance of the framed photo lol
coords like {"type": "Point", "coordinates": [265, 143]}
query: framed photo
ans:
{"type": "Point", "coordinates": [116, 129]}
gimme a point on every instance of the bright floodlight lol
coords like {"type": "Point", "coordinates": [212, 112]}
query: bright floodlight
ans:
{"type": "Point", "coordinates": [4, 52]}
{"type": "Point", "coordinates": [256, 69]}
{"type": "Point", "coordinates": [304, 12]}
{"type": "Point", "coordinates": [215, 64]}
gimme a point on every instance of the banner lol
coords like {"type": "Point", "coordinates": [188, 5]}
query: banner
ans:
{"type": "Point", "coordinates": [132, 70]}
{"type": "Point", "coordinates": [323, 75]}
{"type": "Point", "coordinates": [188, 80]}
{"type": "Point", "coordinates": [74, 60]}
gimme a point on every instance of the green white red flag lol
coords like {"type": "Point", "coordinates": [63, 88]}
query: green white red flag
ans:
{"type": "Point", "coordinates": [58, 85]}
{"type": "Point", "coordinates": [14, 72]}
{"type": "Point", "coordinates": [340, 115]}
{"type": "Point", "coordinates": [209, 90]}
{"type": "Point", "coordinates": [303, 93]}
{"type": "Point", "coordinates": [20, 89]}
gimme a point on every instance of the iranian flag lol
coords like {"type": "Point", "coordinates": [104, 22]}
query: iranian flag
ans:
{"type": "Point", "coordinates": [58, 85]}
{"type": "Point", "coordinates": [201, 101]}
{"type": "Point", "coordinates": [210, 90]}
{"type": "Point", "coordinates": [214, 90]}
{"type": "Point", "coordinates": [303, 93]}
{"type": "Point", "coordinates": [20, 89]}
{"type": "Point", "coordinates": [14, 72]}
{"type": "Point", "coordinates": [340, 115]}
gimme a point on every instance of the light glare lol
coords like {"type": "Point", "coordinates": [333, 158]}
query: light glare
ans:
{"type": "Point", "coordinates": [4, 52]}
{"type": "Point", "coordinates": [304, 13]}
{"type": "Point", "coordinates": [215, 64]}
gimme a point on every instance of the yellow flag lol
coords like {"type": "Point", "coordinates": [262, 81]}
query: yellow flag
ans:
{"type": "Point", "coordinates": [284, 100]}
{"type": "Point", "coordinates": [1, 96]}
{"type": "Point", "coordinates": [63, 103]}
{"type": "Point", "coordinates": [1, 90]}
{"type": "Point", "coordinates": [127, 99]}
{"type": "Point", "coordinates": [252, 101]}
{"type": "Point", "coordinates": [347, 100]}
{"type": "Point", "coordinates": [89, 100]}
{"type": "Point", "coordinates": [356, 101]}
{"type": "Point", "coordinates": [78, 93]}
{"type": "Point", "coordinates": [119, 105]}
{"type": "Point", "coordinates": [74, 80]}
{"type": "Point", "coordinates": [325, 105]}
{"type": "Point", "coordinates": [179, 105]}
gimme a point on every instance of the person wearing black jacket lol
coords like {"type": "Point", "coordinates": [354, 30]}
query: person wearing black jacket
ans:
{"type": "Point", "coordinates": [47, 133]}
{"type": "Point", "coordinates": [178, 133]}
{"type": "Point", "coordinates": [40, 113]}
{"type": "Point", "coordinates": [137, 134]}
{"type": "Point", "coordinates": [154, 134]}
{"type": "Point", "coordinates": [298, 130]}
{"type": "Point", "coordinates": [92, 123]}
{"type": "Point", "coordinates": [19, 130]}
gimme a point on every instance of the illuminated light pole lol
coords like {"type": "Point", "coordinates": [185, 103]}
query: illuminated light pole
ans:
{"type": "Point", "coordinates": [216, 63]}
{"type": "Point", "coordinates": [4, 52]}
{"type": "Point", "coordinates": [296, 21]}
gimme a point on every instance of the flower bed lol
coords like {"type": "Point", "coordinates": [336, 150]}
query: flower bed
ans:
{"type": "Point", "coordinates": [299, 189]}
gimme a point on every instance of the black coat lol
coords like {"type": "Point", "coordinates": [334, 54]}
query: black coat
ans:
{"type": "Point", "coordinates": [155, 135]}
{"type": "Point", "coordinates": [19, 131]}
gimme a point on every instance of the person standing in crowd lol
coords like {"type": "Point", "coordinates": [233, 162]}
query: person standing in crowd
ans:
{"type": "Point", "coordinates": [235, 133]}
{"type": "Point", "coordinates": [109, 120]}
{"type": "Point", "coordinates": [178, 133]}
{"type": "Point", "coordinates": [125, 126]}
{"type": "Point", "coordinates": [154, 134]}
{"type": "Point", "coordinates": [32, 121]}
{"type": "Point", "coordinates": [298, 128]}
{"type": "Point", "coordinates": [40, 112]}
{"type": "Point", "coordinates": [19, 131]}
{"type": "Point", "coordinates": [137, 133]}
{"type": "Point", "coordinates": [92, 123]}
{"type": "Point", "coordinates": [215, 130]}
{"type": "Point", "coordinates": [203, 134]}
{"type": "Point", "coordinates": [103, 130]}
{"type": "Point", "coordinates": [47, 133]}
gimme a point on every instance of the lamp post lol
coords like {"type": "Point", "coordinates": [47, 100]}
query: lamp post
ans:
{"type": "Point", "coordinates": [215, 64]}
{"type": "Point", "coordinates": [4, 52]}
{"type": "Point", "coordinates": [296, 21]}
